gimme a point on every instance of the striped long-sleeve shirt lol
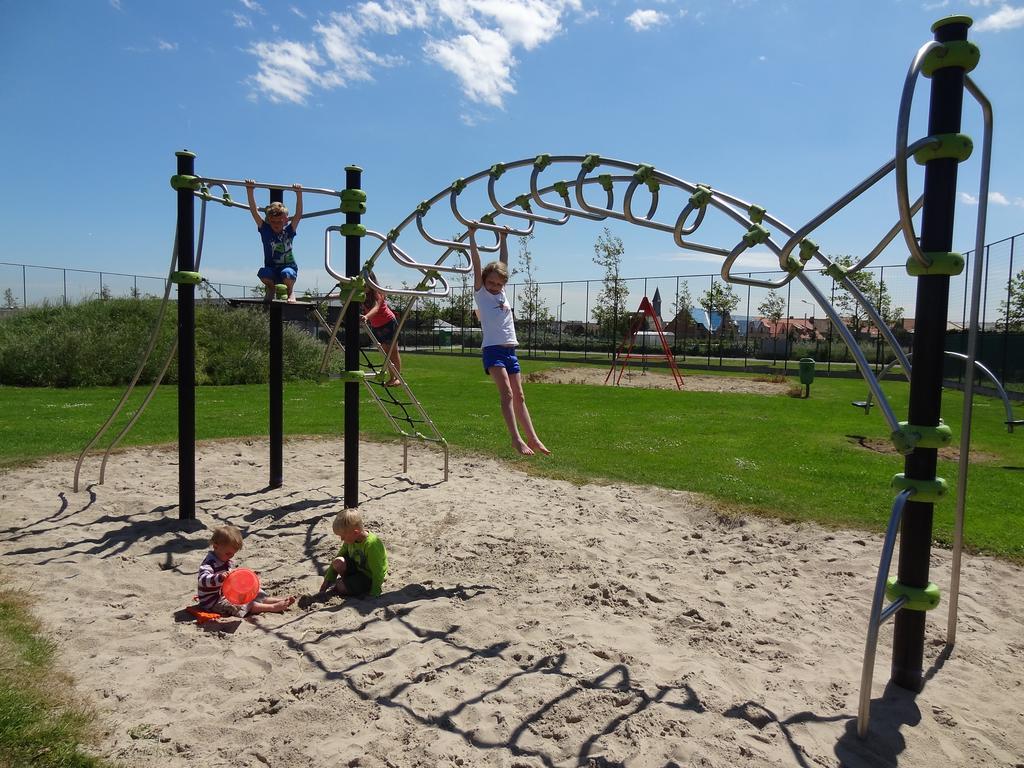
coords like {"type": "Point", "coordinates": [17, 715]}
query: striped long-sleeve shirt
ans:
{"type": "Point", "coordinates": [212, 572]}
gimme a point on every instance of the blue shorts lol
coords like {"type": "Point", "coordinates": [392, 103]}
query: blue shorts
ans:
{"type": "Point", "coordinates": [279, 274]}
{"type": "Point", "coordinates": [502, 357]}
{"type": "Point", "coordinates": [385, 333]}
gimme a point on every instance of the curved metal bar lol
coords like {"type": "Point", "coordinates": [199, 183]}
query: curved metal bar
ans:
{"type": "Point", "coordinates": [456, 245]}
{"type": "Point", "coordinates": [886, 239]}
{"type": "Point", "coordinates": [568, 210]}
{"type": "Point", "coordinates": [498, 207]}
{"type": "Point", "coordinates": [846, 199]}
{"type": "Point", "coordinates": [972, 349]}
{"type": "Point", "coordinates": [607, 211]}
{"type": "Point", "coordinates": [267, 185]}
{"type": "Point", "coordinates": [858, 354]}
{"type": "Point", "coordinates": [454, 197]}
{"type": "Point", "coordinates": [643, 221]}
{"type": "Point", "coordinates": [680, 228]}
{"type": "Point", "coordinates": [875, 617]}
{"type": "Point", "coordinates": [902, 129]}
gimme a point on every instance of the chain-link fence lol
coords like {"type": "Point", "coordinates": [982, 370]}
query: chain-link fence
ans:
{"type": "Point", "coordinates": [706, 321]}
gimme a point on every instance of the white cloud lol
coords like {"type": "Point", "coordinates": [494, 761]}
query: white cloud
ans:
{"type": "Point", "coordinates": [935, 6]}
{"type": "Point", "coordinates": [1007, 17]}
{"type": "Point", "coordinates": [643, 19]}
{"type": "Point", "coordinates": [241, 20]}
{"type": "Point", "coordinates": [475, 40]}
{"type": "Point", "coordinates": [115, 4]}
{"type": "Point", "coordinates": [252, 5]}
{"type": "Point", "coordinates": [163, 45]}
{"type": "Point", "coordinates": [994, 198]}
{"type": "Point", "coordinates": [297, 12]}
{"type": "Point", "coordinates": [287, 70]}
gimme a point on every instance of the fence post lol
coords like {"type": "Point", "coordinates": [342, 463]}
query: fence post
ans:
{"type": "Point", "coordinates": [24, 289]}
{"type": "Point", "coordinates": [65, 273]}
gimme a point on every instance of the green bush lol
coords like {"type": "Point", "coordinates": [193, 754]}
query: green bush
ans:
{"type": "Point", "coordinates": [101, 342]}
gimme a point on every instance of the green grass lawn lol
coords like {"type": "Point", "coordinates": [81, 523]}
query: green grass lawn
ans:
{"type": "Point", "coordinates": [785, 457]}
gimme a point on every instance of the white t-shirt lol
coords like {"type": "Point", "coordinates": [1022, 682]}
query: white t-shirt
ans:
{"type": "Point", "coordinates": [495, 319]}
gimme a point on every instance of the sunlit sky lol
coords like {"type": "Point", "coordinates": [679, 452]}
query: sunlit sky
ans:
{"type": "Point", "coordinates": [785, 104]}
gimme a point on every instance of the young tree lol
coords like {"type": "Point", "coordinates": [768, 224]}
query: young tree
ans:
{"type": "Point", "coordinates": [609, 310]}
{"type": "Point", "coordinates": [721, 298]}
{"type": "Point", "coordinates": [530, 305]}
{"type": "Point", "coordinates": [772, 308]}
{"type": "Point", "coordinates": [681, 311]}
{"type": "Point", "coordinates": [9, 301]}
{"type": "Point", "coordinates": [874, 291]}
{"type": "Point", "coordinates": [1011, 311]}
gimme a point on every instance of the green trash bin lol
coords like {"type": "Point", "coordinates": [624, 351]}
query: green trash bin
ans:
{"type": "Point", "coordinates": [807, 374]}
{"type": "Point", "coordinates": [444, 337]}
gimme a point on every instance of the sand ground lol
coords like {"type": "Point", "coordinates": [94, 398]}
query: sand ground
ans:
{"type": "Point", "coordinates": [556, 625]}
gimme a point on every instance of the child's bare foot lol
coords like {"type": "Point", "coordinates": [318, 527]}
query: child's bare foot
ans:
{"type": "Point", "coordinates": [392, 383]}
{"type": "Point", "coordinates": [537, 445]}
{"type": "Point", "coordinates": [291, 299]}
{"type": "Point", "coordinates": [522, 447]}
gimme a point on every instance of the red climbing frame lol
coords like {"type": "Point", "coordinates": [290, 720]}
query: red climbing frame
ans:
{"type": "Point", "coordinates": [625, 351]}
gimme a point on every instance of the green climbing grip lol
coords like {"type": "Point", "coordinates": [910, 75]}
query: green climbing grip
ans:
{"type": "Point", "coordinates": [756, 213]}
{"type": "Point", "coordinates": [562, 188]}
{"type": "Point", "coordinates": [939, 263]}
{"type": "Point", "coordinates": [393, 235]}
{"type": "Point", "coordinates": [181, 181]}
{"type": "Point", "coordinates": [523, 201]}
{"type": "Point", "coordinates": [353, 201]}
{"type": "Point", "coordinates": [497, 170]}
{"type": "Point", "coordinates": [353, 291]}
{"type": "Point", "coordinates": [590, 162]}
{"type": "Point", "coordinates": [927, 491]}
{"type": "Point", "coordinates": [807, 249]}
{"type": "Point", "coordinates": [186, 278]}
{"type": "Point", "coordinates": [955, 53]}
{"type": "Point", "coordinates": [836, 271]}
{"type": "Point", "coordinates": [356, 376]}
{"type": "Point", "coordinates": [605, 180]}
{"type": "Point", "coordinates": [957, 146]}
{"type": "Point", "coordinates": [488, 218]}
{"type": "Point", "coordinates": [918, 598]}
{"type": "Point", "coordinates": [911, 436]}
{"type": "Point", "coordinates": [458, 185]}
{"type": "Point", "coordinates": [701, 196]}
{"type": "Point", "coordinates": [756, 235]}
{"type": "Point", "coordinates": [542, 161]}
{"type": "Point", "coordinates": [226, 200]}
{"type": "Point", "coordinates": [793, 265]}
{"type": "Point", "coordinates": [645, 175]}
{"type": "Point", "coordinates": [353, 230]}
{"type": "Point", "coordinates": [422, 208]}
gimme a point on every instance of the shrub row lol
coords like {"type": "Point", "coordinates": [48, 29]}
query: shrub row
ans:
{"type": "Point", "coordinates": [101, 342]}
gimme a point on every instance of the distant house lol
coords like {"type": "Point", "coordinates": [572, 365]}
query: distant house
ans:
{"type": "Point", "coordinates": [696, 322]}
{"type": "Point", "coordinates": [798, 329]}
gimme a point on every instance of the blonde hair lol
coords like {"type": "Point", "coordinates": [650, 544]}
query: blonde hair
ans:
{"type": "Point", "coordinates": [276, 209]}
{"type": "Point", "coordinates": [498, 268]}
{"type": "Point", "coordinates": [347, 520]}
{"type": "Point", "coordinates": [226, 535]}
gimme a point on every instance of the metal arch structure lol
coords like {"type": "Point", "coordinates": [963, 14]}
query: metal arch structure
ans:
{"type": "Point", "coordinates": [946, 60]}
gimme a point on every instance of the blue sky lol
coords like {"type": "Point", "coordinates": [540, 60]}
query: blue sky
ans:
{"type": "Point", "coordinates": [785, 104]}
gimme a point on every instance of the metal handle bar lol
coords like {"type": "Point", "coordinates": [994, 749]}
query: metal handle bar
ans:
{"type": "Point", "coordinates": [402, 259]}
{"type": "Point", "coordinates": [266, 185]}
{"type": "Point", "coordinates": [858, 354]}
{"type": "Point", "coordinates": [877, 615]}
{"type": "Point", "coordinates": [845, 200]}
{"type": "Point", "coordinates": [454, 198]}
{"type": "Point", "coordinates": [455, 245]}
{"type": "Point", "coordinates": [972, 347]}
{"type": "Point", "coordinates": [566, 209]}
{"type": "Point", "coordinates": [731, 278]}
{"type": "Point", "coordinates": [498, 207]}
{"type": "Point", "coordinates": [231, 203]}
{"type": "Point", "coordinates": [902, 129]}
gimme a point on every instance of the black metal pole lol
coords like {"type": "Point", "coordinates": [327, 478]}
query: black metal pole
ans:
{"type": "Point", "coordinates": [276, 383]}
{"type": "Point", "coordinates": [353, 180]}
{"type": "Point", "coordinates": [186, 344]}
{"type": "Point", "coordinates": [947, 90]}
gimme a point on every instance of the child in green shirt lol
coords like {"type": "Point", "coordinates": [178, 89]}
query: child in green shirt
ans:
{"type": "Point", "coordinates": [361, 564]}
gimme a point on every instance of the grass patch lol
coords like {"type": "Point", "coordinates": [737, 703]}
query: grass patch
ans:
{"type": "Point", "coordinates": [40, 725]}
{"type": "Point", "coordinates": [790, 458]}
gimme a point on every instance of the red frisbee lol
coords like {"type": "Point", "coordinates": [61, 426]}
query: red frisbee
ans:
{"type": "Point", "coordinates": [241, 586]}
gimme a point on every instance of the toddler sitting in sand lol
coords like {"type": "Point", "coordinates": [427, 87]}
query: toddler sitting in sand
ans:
{"type": "Point", "coordinates": [224, 543]}
{"type": "Point", "coordinates": [362, 562]}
